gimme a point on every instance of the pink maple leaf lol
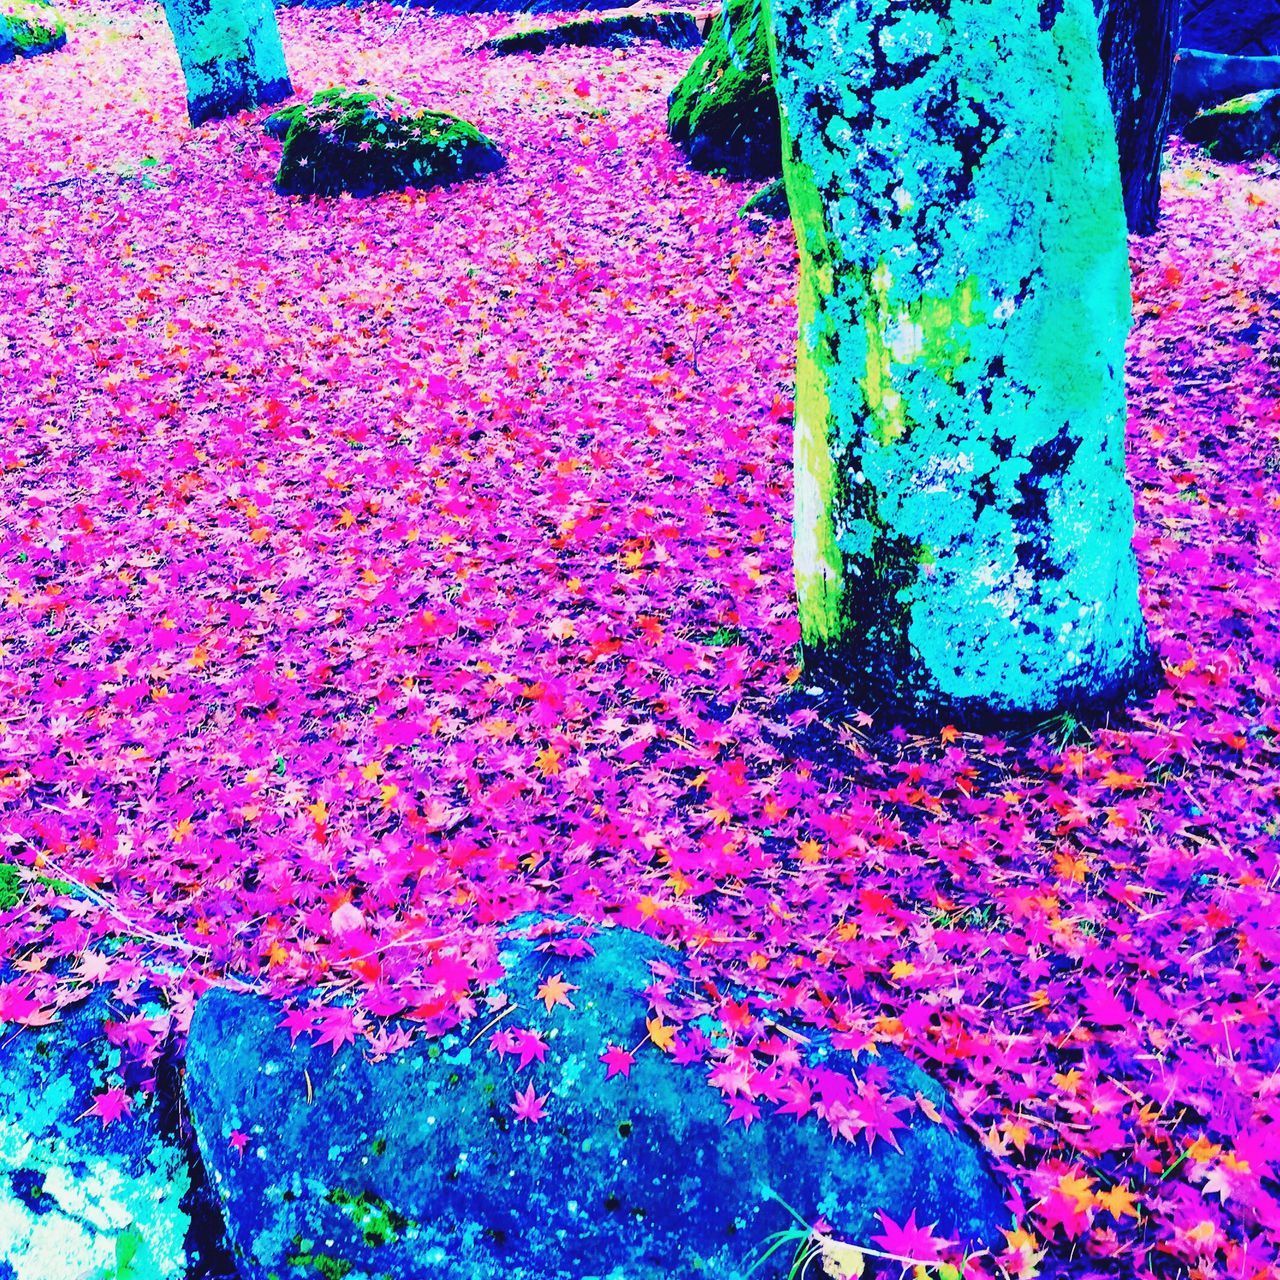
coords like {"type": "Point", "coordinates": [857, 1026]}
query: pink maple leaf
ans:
{"type": "Point", "coordinates": [337, 1026]}
{"type": "Point", "coordinates": [617, 1061]}
{"type": "Point", "coordinates": [529, 1107]}
{"type": "Point", "coordinates": [910, 1241]}
{"type": "Point", "coordinates": [110, 1105]}
{"type": "Point", "coordinates": [529, 1046]}
{"type": "Point", "coordinates": [743, 1109]}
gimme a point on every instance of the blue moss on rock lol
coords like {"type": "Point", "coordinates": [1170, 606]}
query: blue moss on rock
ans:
{"type": "Point", "coordinates": [417, 1165]}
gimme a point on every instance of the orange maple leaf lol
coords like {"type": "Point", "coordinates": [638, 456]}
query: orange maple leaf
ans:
{"type": "Point", "coordinates": [555, 991]}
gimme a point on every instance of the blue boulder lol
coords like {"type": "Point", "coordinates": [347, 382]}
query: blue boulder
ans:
{"type": "Point", "coordinates": [451, 1161]}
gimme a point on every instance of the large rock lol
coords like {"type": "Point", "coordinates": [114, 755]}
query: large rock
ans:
{"type": "Point", "coordinates": [1242, 129]}
{"type": "Point", "coordinates": [1204, 79]}
{"type": "Point", "coordinates": [7, 50]}
{"type": "Point", "coordinates": [724, 113]}
{"type": "Point", "coordinates": [616, 31]}
{"type": "Point", "coordinates": [1232, 26]}
{"type": "Point", "coordinates": [421, 1165]}
{"type": "Point", "coordinates": [367, 143]}
{"type": "Point", "coordinates": [78, 1198]}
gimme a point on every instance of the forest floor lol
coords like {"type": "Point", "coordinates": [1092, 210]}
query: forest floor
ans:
{"type": "Point", "coordinates": [376, 570]}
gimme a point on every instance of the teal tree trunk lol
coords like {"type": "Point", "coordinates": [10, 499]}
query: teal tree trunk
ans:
{"type": "Point", "coordinates": [230, 53]}
{"type": "Point", "coordinates": [962, 519]}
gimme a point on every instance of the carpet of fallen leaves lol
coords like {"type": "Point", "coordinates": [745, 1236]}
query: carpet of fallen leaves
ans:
{"type": "Point", "coordinates": [375, 571]}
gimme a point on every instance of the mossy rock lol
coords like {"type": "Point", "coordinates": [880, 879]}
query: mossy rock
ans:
{"type": "Point", "coordinates": [769, 204]}
{"type": "Point", "coordinates": [79, 1198]}
{"type": "Point", "coordinates": [33, 32]}
{"type": "Point", "coordinates": [366, 143]}
{"type": "Point", "coordinates": [420, 1166]}
{"type": "Point", "coordinates": [1242, 129]}
{"type": "Point", "coordinates": [618, 31]}
{"type": "Point", "coordinates": [724, 113]}
{"type": "Point", "coordinates": [7, 50]}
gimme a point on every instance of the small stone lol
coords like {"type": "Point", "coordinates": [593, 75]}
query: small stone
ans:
{"type": "Point", "coordinates": [366, 143]}
{"type": "Point", "coordinates": [769, 204]}
{"type": "Point", "coordinates": [1242, 129]}
{"type": "Point", "coordinates": [556, 1142]}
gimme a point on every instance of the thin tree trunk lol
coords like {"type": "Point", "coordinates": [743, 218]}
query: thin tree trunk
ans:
{"type": "Point", "coordinates": [962, 519]}
{"type": "Point", "coordinates": [1138, 41]}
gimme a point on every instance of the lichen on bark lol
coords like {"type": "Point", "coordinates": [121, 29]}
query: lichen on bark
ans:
{"type": "Point", "coordinates": [963, 521]}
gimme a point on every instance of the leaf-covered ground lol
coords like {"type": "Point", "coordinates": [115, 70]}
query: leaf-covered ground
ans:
{"type": "Point", "coordinates": [375, 571]}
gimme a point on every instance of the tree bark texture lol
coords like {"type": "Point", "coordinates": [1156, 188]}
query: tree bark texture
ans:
{"type": "Point", "coordinates": [230, 53]}
{"type": "Point", "coordinates": [963, 522]}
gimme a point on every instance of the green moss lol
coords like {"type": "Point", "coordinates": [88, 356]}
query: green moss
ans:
{"type": "Point", "coordinates": [1244, 106]}
{"type": "Point", "coordinates": [379, 1223]}
{"type": "Point", "coordinates": [35, 32]}
{"type": "Point", "coordinates": [10, 886]}
{"type": "Point", "coordinates": [323, 1264]}
{"type": "Point", "coordinates": [724, 112]}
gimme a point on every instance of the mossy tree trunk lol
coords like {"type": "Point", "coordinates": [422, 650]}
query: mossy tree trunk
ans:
{"type": "Point", "coordinates": [230, 53]}
{"type": "Point", "coordinates": [724, 112]}
{"type": "Point", "coordinates": [1138, 41]}
{"type": "Point", "coordinates": [962, 517]}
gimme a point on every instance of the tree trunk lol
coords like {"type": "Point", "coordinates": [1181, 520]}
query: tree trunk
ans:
{"type": "Point", "coordinates": [962, 517]}
{"type": "Point", "coordinates": [724, 114]}
{"type": "Point", "coordinates": [1139, 40]}
{"type": "Point", "coordinates": [230, 53]}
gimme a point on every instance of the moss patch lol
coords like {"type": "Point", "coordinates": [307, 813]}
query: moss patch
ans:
{"type": "Point", "coordinates": [378, 1222]}
{"type": "Point", "coordinates": [365, 143]}
{"type": "Point", "coordinates": [35, 31]}
{"type": "Point", "coordinates": [724, 113]}
{"type": "Point", "coordinates": [10, 887]}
